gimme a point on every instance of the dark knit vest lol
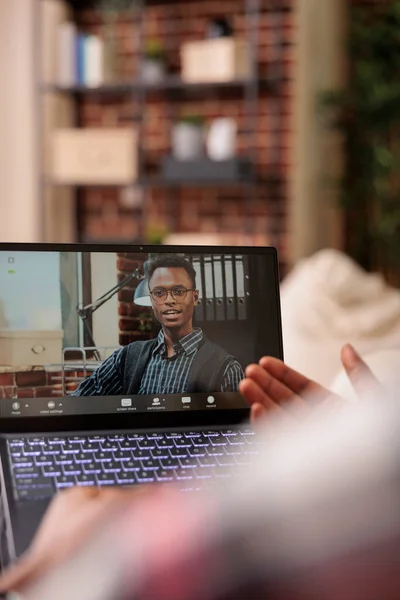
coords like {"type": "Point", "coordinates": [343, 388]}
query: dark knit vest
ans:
{"type": "Point", "coordinates": [205, 375]}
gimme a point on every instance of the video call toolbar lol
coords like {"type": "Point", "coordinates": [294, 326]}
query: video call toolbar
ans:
{"type": "Point", "coordinates": [42, 407]}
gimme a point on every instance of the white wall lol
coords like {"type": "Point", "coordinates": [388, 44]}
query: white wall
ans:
{"type": "Point", "coordinates": [105, 319]}
{"type": "Point", "coordinates": [19, 203]}
{"type": "Point", "coordinates": [30, 295]}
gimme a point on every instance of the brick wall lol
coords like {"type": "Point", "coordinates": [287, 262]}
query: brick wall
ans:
{"type": "Point", "coordinates": [103, 214]}
{"type": "Point", "coordinates": [35, 382]}
{"type": "Point", "coordinates": [135, 322]}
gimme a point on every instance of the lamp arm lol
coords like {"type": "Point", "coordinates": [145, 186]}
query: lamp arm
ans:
{"type": "Point", "coordinates": [85, 311]}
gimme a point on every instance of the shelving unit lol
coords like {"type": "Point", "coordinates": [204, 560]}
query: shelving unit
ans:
{"type": "Point", "coordinates": [172, 91]}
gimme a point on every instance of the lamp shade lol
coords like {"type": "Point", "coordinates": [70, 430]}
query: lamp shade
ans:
{"type": "Point", "coordinates": [142, 296]}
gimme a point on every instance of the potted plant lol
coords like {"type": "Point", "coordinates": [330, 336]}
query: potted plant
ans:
{"type": "Point", "coordinates": [188, 138]}
{"type": "Point", "coordinates": [367, 112]}
{"type": "Point", "coordinates": [153, 62]}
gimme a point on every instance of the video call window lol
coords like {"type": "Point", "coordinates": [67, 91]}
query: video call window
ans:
{"type": "Point", "coordinates": [104, 324]}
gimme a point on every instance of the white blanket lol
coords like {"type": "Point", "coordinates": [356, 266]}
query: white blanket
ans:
{"type": "Point", "coordinates": [328, 300]}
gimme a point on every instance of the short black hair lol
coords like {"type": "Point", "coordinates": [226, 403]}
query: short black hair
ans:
{"type": "Point", "coordinates": [169, 261]}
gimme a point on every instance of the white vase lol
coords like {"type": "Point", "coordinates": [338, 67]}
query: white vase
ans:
{"type": "Point", "coordinates": [187, 141]}
{"type": "Point", "coordinates": [152, 71]}
{"type": "Point", "coordinates": [221, 139]}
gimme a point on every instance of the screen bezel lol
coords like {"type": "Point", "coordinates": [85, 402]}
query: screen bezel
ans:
{"type": "Point", "coordinates": [142, 420]}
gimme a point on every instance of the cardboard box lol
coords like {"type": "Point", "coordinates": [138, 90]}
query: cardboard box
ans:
{"type": "Point", "coordinates": [30, 348]}
{"type": "Point", "coordinates": [215, 61]}
{"type": "Point", "coordinates": [94, 156]}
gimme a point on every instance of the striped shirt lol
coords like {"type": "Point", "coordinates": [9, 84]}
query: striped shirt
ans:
{"type": "Point", "coordinates": [163, 374]}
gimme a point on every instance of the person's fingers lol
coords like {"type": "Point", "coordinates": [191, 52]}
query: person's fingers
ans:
{"type": "Point", "coordinates": [257, 412]}
{"type": "Point", "coordinates": [360, 375]}
{"type": "Point", "coordinates": [254, 394]}
{"type": "Point", "coordinates": [72, 516]}
{"type": "Point", "coordinates": [298, 384]}
{"type": "Point", "coordinates": [275, 390]}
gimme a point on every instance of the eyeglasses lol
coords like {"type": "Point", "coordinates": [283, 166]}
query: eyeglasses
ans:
{"type": "Point", "coordinates": [178, 292]}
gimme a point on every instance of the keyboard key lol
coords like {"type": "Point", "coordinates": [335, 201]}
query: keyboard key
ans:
{"type": "Point", "coordinates": [145, 476]}
{"type": "Point", "coordinates": [141, 455]}
{"type": "Point", "coordinates": [179, 452]}
{"type": "Point", "coordinates": [215, 451]}
{"type": "Point", "coordinates": [192, 434]}
{"type": "Point", "coordinates": [132, 465]}
{"type": "Point", "coordinates": [15, 442]}
{"type": "Point", "coordinates": [160, 453]}
{"type": "Point", "coordinates": [211, 433]}
{"type": "Point", "coordinates": [122, 455]}
{"type": "Point", "coordinates": [76, 439]}
{"type": "Point", "coordinates": [52, 470]}
{"type": "Point", "coordinates": [103, 456]}
{"type": "Point", "coordinates": [56, 441]}
{"type": "Point", "coordinates": [95, 438]}
{"type": "Point", "coordinates": [84, 479]}
{"type": "Point", "coordinates": [203, 473]}
{"type": "Point", "coordinates": [27, 461]}
{"type": "Point", "coordinates": [32, 481]}
{"type": "Point", "coordinates": [125, 477]}
{"type": "Point", "coordinates": [146, 444]}
{"type": "Point", "coordinates": [127, 445]}
{"type": "Point", "coordinates": [116, 437]}
{"type": "Point", "coordinates": [64, 481]}
{"type": "Point", "coordinates": [165, 475]}
{"type": "Point", "coordinates": [236, 441]}
{"type": "Point", "coordinates": [36, 441]}
{"type": "Point", "coordinates": [222, 472]}
{"type": "Point", "coordinates": [109, 446]}
{"type": "Point", "coordinates": [112, 467]}
{"type": "Point", "coordinates": [50, 449]}
{"type": "Point", "coordinates": [32, 450]}
{"type": "Point", "coordinates": [170, 463]}
{"type": "Point", "coordinates": [182, 442]}
{"type": "Point", "coordinates": [35, 493]}
{"type": "Point", "coordinates": [201, 441]}
{"type": "Point", "coordinates": [72, 469]}
{"type": "Point", "coordinates": [83, 457]}
{"type": "Point", "coordinates": [154, 436]}
{"type": "Point", "coordinates": [246, 431]}
{"type": "Point", "coordinates": [22, 471]}
{"type": "Point", "coordinates": [207, 461]}
{"type": "Point", "coordinates": [198, 451]}
{"type": "Point", "coordinates": [106, 479]}
{"type": "Point", "coordinates": [219, 440]}
{"type": "Point", "coordinates": [226, 461]}
{"type": "Point", "coordinates": [185, 473]}
{"type": "Point", "coordinates": [230, 432]}
{"type": "Point", "coordinates": [71, 448]}
{"type": "Point", "coordinates": [164, 443]}
{"type": "Point", "coordinates": [171, 436]}
{"type": "Point", "coordinates": [150, 464]}
{"type": "Point", "coordinates": [135, 436]}
{"type": "Point", "coordinates": [91, 467]}
{"type": "Point", "coordinates": [188, 463]}
{"type": "Point", "coordinates": [232, 449]}
{"type": "Point", "coordinates": [61, 459]}
{"type": "Point", "coordinates": [243, 459]}
{"type": "Point", "coordinates": [90, 447]}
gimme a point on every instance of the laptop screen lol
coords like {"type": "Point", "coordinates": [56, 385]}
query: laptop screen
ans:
{"type": "Point", "coordinates": [133, 329]}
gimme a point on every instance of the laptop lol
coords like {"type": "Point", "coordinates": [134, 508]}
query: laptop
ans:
{"type": "Point", "coordinates": [120, 365]}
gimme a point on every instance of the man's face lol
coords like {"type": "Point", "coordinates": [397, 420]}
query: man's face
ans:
{"type": "Point", "coordinates": [171, 312]}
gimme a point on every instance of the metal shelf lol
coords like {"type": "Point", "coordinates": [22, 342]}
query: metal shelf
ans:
{"type": "Point", "coordinates": [171, 83]}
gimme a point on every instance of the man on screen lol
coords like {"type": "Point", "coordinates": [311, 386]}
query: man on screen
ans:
{"type": "Point", "coordinates": [181, 359]}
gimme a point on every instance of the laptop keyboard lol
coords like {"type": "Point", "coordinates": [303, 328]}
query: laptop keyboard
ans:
{"type": "Point", "coordinates": [41, 466]}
